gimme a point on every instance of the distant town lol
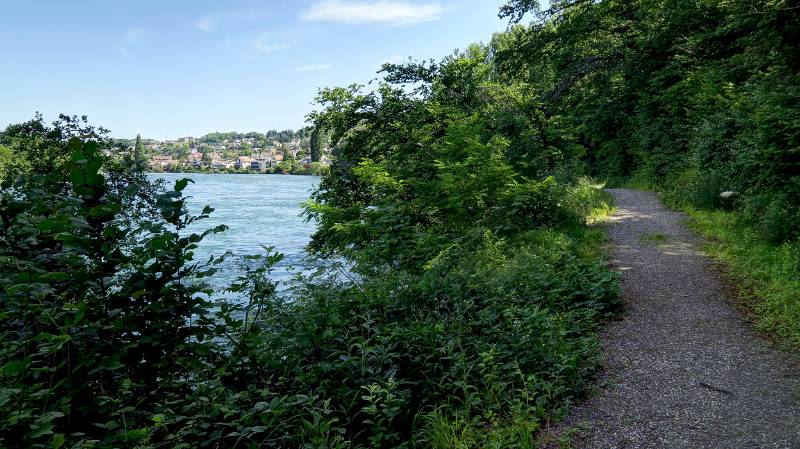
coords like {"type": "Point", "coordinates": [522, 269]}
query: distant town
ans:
{"type": "Point", "coordinates": [282, 152]}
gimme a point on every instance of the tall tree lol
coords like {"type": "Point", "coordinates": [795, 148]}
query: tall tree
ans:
{"type": "Point", "coordinates": [315, 145]}
{"type": "Point", "coordinates": [138, 150]}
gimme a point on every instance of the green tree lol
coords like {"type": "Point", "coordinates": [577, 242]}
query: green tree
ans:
{"type": "Point", "coordinates": [464, 156]}
{"type": "Point", "coordinates": [246, 149]}
{"type": "Point", "coordinates": [6, 162]}
{"type": "Point", "coordinates": [694, 97]}
{"type": "Point", "coordinates": [139, 152]}
{"type": "Point", "coordinates": [181, 151]}
{"type": "Point", "coordinates": [315, 145]}
{"type": "Point", "coordinates": [40, 152]}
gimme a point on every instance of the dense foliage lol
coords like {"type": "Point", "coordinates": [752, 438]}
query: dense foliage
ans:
{"type": "Point", "coordinates": [271, 135]}
{"type": "Point", "coordinates": [97, 324]}
{"type": "Point", "coordinates": [695, 98]}
{"type": "Point", "coordinates": [465, 317]}
{"type": "Point", "coordinates": [461, 288]}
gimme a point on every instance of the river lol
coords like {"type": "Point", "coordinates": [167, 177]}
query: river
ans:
{"type": "Point", "coordinates": [258, 210]}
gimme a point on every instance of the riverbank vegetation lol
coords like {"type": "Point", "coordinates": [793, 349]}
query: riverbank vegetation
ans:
{"type": "Point", "coordinates": [458, 200]}
{"type": "Point", "coordinates": [471, 330]}
{"type": "Point", "coordinates": [292, 167]}
{"type": "Point", "coordinates": [467, 315]}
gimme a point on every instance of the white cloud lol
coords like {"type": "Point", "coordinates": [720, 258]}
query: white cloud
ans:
{"type": "Point", "coordinates": [129, 41]}
{"type": "Point", "coordinates": [263, 44]}
{"type": "Point", "coordinates": [389, 12]}
{"type": "Point", "coordinates": [206, 23]}
{"type": "Point", "coordinates": [134, 35]}
{"type": "Point", "coordinates": [212, 22]}
{"type": "Point", "coordinates": [395, 59]}
{"type": "Point", "coordinates": [312, 68]}
{"type": "Point", "coordinates": [122, 51]}
{"type": "Point", "coordinates": [225, 43]}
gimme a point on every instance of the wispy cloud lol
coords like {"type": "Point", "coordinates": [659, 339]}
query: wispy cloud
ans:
{"type": "Point", "coordinates": [133, 35]}
{"type": "Point", "coordinates": [395, 59]}
{"type": "Point", "coordinates": [128, 41]}
{"type": "Point", "coordinates": [276, 40]}
{"type": "Point", "coordinates": [312, 68]}
{"type": "Point", "coordinates": [206, 23]}
{"type": "Point", "coordinates": [389, 12]}
{"type": "Point", "coordinates": [266, 43]}
{"type": "Point", "coordinates": [212, 22]}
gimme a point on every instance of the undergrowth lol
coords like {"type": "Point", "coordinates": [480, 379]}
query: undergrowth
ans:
{"type": "Point", "coordinates": [110, 337]}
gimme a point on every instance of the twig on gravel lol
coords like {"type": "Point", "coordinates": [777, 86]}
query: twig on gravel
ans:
{"type": "Point", "coordinates": [713, 388]}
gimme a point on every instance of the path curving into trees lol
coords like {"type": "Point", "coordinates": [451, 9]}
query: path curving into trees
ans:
{"type": "Point", "coordinates": [683, 369]}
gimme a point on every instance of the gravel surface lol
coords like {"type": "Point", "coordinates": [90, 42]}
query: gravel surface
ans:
{"type": "Point", "coordinates": [683, 369]}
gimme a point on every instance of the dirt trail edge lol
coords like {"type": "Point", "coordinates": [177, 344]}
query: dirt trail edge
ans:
{"type": "Point", "coordinates": [683, 369]}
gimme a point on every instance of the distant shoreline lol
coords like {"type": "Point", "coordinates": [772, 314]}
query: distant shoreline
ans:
{"type": "Point", "coordinates": [224, 173]}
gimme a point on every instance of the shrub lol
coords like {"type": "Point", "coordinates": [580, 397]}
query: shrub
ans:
{"type": "Point", "coordinates": [100, 321]}
{"type": "Point", "coordinates": [775, 217]}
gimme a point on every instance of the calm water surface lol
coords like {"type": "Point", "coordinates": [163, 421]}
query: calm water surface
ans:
{"type": "Point", "coordinates": [258, 209]}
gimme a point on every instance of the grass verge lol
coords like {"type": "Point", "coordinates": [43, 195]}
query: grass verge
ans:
{"type": "Point", "coordinates": [767, 275]}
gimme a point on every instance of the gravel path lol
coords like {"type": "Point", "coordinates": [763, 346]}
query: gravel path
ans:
{"type": "Point", "coordinates": [683, 370]}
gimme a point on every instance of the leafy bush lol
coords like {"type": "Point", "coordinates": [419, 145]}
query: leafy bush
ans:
{"type": "Point", "coordinates": [467, 312]}
{"type": "Point", "coordinates": [476, 311]}
{"type": "Point", "coordinates": [99, 322]}
{"type": "Point", "coordinates": [776, 217]}
{"type": "Point", "coordinates": [489, 337]}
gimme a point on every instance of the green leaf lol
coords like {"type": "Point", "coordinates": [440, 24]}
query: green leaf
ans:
{"type": "Point", "coordinates": [55, 276]}
{"type": "Point", "coordinates": [181, 184]}
{"type": "Point", "coordinates": [41, 429]}
{"type": "Point", "coordinates": [15, 367]}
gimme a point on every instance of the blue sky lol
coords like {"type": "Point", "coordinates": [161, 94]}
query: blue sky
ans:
{"type": "Point", "coordinates": [172, 68]}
